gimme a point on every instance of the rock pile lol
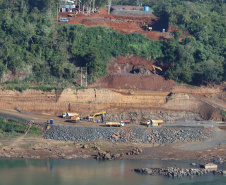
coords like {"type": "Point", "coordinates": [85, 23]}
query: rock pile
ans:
{"type": "Point", "coordinates": [135, 151]}
{"type": "Point", "coordinates": [175, 172]}
{"type": "Point", "coordinates": [106, 155]}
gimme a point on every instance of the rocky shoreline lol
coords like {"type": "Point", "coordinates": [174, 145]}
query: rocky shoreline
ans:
{"type": "Point", "coordinates": [178, 172]}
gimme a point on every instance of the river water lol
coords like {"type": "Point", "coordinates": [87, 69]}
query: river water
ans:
{"type": "Point", "coordinates": [92, 172]}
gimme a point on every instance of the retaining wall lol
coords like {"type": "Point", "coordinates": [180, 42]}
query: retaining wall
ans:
{"type": "Point", "coordinates": [162, 135]}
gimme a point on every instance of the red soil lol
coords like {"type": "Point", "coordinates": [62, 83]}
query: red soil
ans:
{"type": "Point", "coordinates": [119, 76]}
{"type": "Point", "coordinates": [124, 24]}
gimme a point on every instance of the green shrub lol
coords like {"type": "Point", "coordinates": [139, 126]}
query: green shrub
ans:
{"type": "Point", "coordinates": [2, 123]}
{"type": "Point", "coordinates": [223, 114]}
{"type": "Point", "coordinates": [34, 130]}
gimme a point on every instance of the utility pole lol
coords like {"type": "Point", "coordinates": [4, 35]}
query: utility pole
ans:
{"type": "Point", "coordinates": [86, 76]}
{"type": "Point", "coordinates": [83, 76]}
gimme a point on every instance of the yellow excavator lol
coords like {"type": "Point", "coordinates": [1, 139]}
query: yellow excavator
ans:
{"type": "Point", "coordinates": [155, 67]}
{"type": "Point", "coordinates": [73, 14]}
{"type": "Point", "coordinates": [92, 116]}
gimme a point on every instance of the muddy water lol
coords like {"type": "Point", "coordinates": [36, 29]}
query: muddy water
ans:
{"type": "Point", "coordinates": [92, 172]}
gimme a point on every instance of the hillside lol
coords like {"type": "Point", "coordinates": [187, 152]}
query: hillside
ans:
{"type": "Point", "coordinates": [36, 49]}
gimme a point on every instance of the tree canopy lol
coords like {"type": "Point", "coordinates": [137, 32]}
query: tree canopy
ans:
{"type": "Point", "coordinates": [31, 41]}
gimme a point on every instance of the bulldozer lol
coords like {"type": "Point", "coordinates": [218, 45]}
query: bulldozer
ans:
{"type": "Point", "coordinates": [146, 26]}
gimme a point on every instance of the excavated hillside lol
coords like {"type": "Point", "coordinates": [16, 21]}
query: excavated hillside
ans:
{"type": "Point", "coordinates": [132, 89]}
{"type": "Point", "coordinates": [123, 23]}
{"type": "Point", "coordinates": [130, 104]}
{"type": "Point", "coordinates": [127, 92]}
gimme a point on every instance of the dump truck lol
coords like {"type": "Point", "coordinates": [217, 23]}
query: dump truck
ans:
{"type": "Point", "coordinates": [74, 117]}
{"type": "Point", "coordinates": [117, 124]}
{"type": "Point", "coordinates": [68, 115]}
{"type": "Point", "coordinates": [153, 123]}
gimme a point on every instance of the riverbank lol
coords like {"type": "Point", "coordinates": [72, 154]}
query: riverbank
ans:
{"type": "Point", "coordinates": [39, 148]}
{"type": "Point", "coordinates": [170, 142]}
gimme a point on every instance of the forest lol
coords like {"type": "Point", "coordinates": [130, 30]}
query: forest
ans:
{"type": "Point", "coordinates": [50, 53]}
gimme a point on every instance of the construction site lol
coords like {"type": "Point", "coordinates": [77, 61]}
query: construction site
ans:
{"type": "Point", "coordinates": [134, 89]}
{"type": "Point", "coordinates": [125, 19]}
{"type": "Point", "coordinates": [131, 96]}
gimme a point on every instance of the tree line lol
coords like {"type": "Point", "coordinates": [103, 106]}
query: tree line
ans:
{"type": "Point", "coordinates": [31, 41]}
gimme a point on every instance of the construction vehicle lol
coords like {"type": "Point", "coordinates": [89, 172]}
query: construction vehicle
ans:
{"type": "Point", "coordinates": [74, 117]}
{"type": "Point", "coordinates": [92, 116]}
{"type": "Point", "coordinates": [155, 67]}
{"type": "Point", "coordinates": [126, 121]}
{"type": "Point", "coordinates": [153, 123]}
{"type": "Point", "coordinates": [117, 124]}
{"type": "Point", "coordinates": [73, 14]}
{"type": "Point", "coordinates": [67, 115]}
{"type": "Point", "coordinates": [146, 26]}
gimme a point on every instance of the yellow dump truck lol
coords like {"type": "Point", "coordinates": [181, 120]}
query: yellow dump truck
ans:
{"type": "Point", "coordinates": [153, 123]}
{"type": "Point", "coordinates": [74, 117]}
{"type": "Point", "coordinates": [117, 124]}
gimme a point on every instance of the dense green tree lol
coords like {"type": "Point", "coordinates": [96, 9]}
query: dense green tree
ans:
{"type": "Point", "coordinates": [30, 37]}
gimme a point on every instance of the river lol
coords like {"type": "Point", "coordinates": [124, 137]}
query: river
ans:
{"type": "Point", "coordinates": [92, 172]}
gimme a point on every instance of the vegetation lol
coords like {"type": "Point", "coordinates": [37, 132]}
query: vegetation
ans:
{"type": "Point", "coordinates": [50, 54]}
{"type": "Point", "coordinates": [14, 128]}
{"type": "Point", "coordinates": [223, 114]}
{"type": "Point", "coordinates": [199, 58]}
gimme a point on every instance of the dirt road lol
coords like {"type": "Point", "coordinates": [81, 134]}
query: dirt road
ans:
{"type": "Point", "coordinates": [219, 138]}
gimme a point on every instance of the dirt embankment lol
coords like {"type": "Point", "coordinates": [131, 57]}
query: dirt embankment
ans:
{"type": "Point", "coordinates": [130, 86]}
{"type": "Point", "coordinates": [136, 103]}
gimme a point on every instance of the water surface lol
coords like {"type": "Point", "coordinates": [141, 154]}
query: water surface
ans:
{"type": "Point", "coordinates": [92, 172]}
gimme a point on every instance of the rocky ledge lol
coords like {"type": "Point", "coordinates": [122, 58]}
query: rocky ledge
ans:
{"type": "Point", "coordinates": [176, 172]}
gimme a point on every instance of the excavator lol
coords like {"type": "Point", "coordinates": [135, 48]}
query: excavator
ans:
{"type": "Point", "coordinates": [92, 116]}
{"type": "Point", "coordinates": [155, 67]}
{"type": "Point", "coordinates": [73, 14]}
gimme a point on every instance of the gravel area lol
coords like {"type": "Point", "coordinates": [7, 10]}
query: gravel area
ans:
{"type": "Point", "coordinates": [130, 134]}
